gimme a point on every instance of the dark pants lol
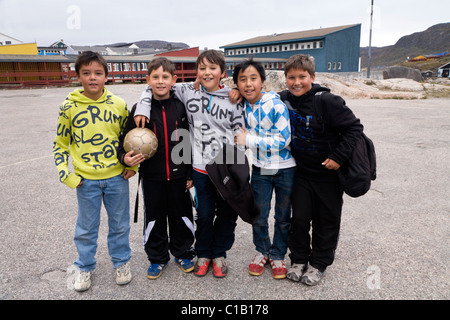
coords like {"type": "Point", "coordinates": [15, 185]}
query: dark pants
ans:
{"type": "Point", "coordinates": [167, 201]}
{"type": "Point", "coordinates": [216, 220]}
{"type": "Point", "coordinates": [317, 205]}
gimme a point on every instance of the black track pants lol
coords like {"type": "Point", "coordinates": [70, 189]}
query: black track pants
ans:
{"type": "Point", "coordinates": [167, 204]}
{"type": "Point", "coordinates": [316, 205]}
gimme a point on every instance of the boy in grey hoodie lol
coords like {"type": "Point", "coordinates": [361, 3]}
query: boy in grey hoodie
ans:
{"type": "Point", "coordinates": [213, 120]}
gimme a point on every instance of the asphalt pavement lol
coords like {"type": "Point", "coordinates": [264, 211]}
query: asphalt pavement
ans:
{"type": "Point", "coordinates": [394, 241]}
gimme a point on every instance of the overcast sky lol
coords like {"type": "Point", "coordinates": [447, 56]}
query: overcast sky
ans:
{"type": "Point", "coordinates": [208, 23]}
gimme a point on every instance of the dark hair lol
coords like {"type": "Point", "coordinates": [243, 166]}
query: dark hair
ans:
{"type": "Point", "coordinates": [244, 65]}
{"type": "Point", "coordinates": [300, 61]}
{"type": "Point", "coordinates": [163, 62]}
{"type": "Point", "coordinates": [86, 57]}
{"type": "Point", "coordinates": [213, 56]}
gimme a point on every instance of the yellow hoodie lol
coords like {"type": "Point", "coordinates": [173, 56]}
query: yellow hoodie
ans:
{"type": "Point", "coordinates": [89, 132]}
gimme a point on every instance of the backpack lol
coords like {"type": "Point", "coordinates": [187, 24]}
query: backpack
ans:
{"type": "Point", "coordinates": [356, 174]}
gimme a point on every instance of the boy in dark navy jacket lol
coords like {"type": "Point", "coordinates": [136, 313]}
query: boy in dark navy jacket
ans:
{"type": "Point", "coordinates": [320, 147]}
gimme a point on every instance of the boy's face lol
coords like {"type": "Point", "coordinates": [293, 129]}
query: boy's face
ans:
{"type": "Point", "coordinates": [299, 81]}
{"type": "Point", "coordinates": [161, 82]}
{"type": "Point", "coordinates": [250, 84]}
{"type": "Point", "coordinates": [93, 79]}
{"type": "Point", "coordinates": [209, 75]}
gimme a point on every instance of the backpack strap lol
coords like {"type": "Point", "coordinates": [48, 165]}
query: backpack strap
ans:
{"type": "Point", "coordinates": [136, 204]}
{"type": "Point", "coordinates": [318, 109]}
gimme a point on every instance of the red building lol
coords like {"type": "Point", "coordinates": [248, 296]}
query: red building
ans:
{"type": "Point", "coordinates": [35, 70]}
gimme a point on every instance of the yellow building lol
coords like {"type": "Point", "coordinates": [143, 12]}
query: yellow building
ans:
{"type": "Point", "coordinates": [23, 48]}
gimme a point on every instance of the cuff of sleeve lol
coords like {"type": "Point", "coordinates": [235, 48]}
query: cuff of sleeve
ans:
{"type": "Point", "coordinates": [72, 181]}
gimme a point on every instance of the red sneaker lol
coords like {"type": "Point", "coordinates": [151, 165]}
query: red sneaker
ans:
{"type": "Point", "coordinates": [256, 267]}
{"type": "Point", "coordinates": [219, 267]}
{"type": "Point", "coordinates": [202, 267]}
{"type": "Point", "coordinates": [278, 269]}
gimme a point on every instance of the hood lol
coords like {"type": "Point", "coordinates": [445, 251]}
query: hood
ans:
{"type": "Point", "coordinates": [77, 96]}
{"type": "Point", "coordinates": [223, 92]}
{"type": "Point", "coordinates": [267, 96]}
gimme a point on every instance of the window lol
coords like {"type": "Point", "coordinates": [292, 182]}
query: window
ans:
{"type": "Point", "coordinates": [334, 65]}
{"type": "Point", "coordinates": [339, 65]}
{"type": "Point", "coordinates": [329, 65]}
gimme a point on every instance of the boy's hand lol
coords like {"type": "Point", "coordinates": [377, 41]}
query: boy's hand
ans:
{"type": "Point", "coordinates": [197, 84]}
{"type": "Point", "coordinates": [240, 137]}
{"type": "Point", "coordinates": [235, 96]}
{"type": "Point", "coordinates": [140, 121]}
{"type": "Point", "coordinates": [331, 164]}
{"type": "Point", "coordinates": [131, 160]}
{"type": "Point", "coordinates": [127, 174]}
{"type": "Point", "coordinates": [189, 184]}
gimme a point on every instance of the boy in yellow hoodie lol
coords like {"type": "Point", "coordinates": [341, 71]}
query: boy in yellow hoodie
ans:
{"type": "Point", "coordinates": [90, 123]}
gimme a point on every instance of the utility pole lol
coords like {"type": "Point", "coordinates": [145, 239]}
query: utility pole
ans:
{"type": "Point", "coordinates": [370, 41]}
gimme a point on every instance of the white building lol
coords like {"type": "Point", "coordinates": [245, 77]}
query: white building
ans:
{"type": "Point", "coordinates": [5, 39]}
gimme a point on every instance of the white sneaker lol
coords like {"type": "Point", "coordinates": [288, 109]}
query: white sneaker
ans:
{"type": "Point", "coordinates": [123, 274]}
{"type": "Point", "coordinates": [312, 276]}
{"type": "Point", "coordinates": [82, 280]}
{"type": "Point", "coordinates": [296, 271]}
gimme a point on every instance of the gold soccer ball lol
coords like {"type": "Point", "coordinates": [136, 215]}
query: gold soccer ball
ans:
{"type": "Point", "coordinates": [141, 140]}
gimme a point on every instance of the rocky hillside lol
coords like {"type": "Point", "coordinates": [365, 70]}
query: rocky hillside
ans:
{"type": "Point", "coordinates": [155, 44]}
{"type": "Point", "coordinates": [365, 88]}
{"type": "Point", "coordinates": [435, 39]}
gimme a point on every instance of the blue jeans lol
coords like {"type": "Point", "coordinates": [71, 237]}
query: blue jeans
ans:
{"type": "Point", "coordinates": [263, 185]}
{"type": "Point", "coordinates": [216, 220]}
{"type": "Point", "coordinates": [114, 193]}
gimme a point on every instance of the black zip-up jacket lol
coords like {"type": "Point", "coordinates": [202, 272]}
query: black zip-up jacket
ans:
{"type": "Point", "coordinates": [312, 141]}
{"type": "Point", "coordinates": [167, 120]}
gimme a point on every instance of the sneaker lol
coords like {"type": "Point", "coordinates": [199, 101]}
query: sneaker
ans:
{"type": "Point", "coordinates": [295, 272]}
{"type": "Point", "coordinates": [278, 269]}
{"type": "Point", "coordinates": [256, 267]}
{"type": "Point", "coordinates": [82, 281]}
{"type": "Point", "coordinates": [155, 270]}
{"type": "Point", "coordinates": [312, 276]}
{"type": "Point", "coordinates": [219, 267]}
{"type": "Point", "coordinates": [123, 274]}
{"type": "Point", "coordinates": [185, 264]}
{"type": "Point", "coordinates": [202, 267]}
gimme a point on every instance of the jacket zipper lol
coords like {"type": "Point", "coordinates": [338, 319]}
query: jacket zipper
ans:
{"type": "Point", "coordinates": [166, 141]}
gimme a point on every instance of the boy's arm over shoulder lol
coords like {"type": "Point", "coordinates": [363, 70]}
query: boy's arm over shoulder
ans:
{"type": "Point", "coordinates": [144, 104]}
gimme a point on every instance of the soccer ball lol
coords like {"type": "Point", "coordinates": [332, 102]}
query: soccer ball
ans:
{"type": "Point", "coordinates": [141, 140]}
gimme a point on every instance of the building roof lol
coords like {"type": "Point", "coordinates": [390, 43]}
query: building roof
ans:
{"type": "Point", "coordinates": [116, 59]}
{"type": "Point", "coordinates": [6, 36]}
{"type": "Point", "coordinates": [289, 36]}
{"type": "Point", "coordinates": [33, 58]}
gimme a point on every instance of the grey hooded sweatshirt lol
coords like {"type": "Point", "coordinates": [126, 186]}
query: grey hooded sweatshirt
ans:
{"type": "Point", "coordinates": [213, 120]}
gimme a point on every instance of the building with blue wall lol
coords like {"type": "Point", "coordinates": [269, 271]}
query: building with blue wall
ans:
{"type": "Point", "coordinates": [334, 49]}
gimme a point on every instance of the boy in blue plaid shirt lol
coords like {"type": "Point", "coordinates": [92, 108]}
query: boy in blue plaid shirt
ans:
{"type": "Point", "coordinates": [268, 136]}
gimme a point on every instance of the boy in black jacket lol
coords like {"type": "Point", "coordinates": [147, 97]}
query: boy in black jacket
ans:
{"type": "Point", "coordinates": [166, 177]}
{"type": "Point", "coordinates": [319, 148]}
